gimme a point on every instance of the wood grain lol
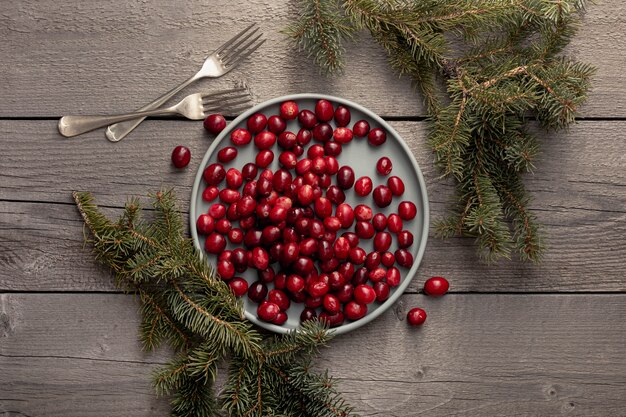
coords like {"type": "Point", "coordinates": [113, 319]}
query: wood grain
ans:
{"type": "Point", "coordinates": [476, 355]}
{"type": "Point", "coordinates": [579, 191]}
{"type": "Point", "coordinates": [109, 56]}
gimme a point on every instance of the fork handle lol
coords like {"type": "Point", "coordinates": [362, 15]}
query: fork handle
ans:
{"type": "Point", "coordinates": [75, 125]}
{"type": "Point", "coordinates": [118, 131]}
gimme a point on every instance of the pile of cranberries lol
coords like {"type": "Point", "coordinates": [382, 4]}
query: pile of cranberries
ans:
{"type": "Point", "coordinates": [292, 224]}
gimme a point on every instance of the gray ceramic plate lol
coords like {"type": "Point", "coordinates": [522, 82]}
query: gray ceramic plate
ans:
{"type": "Point", "coordinates": [362, 158]}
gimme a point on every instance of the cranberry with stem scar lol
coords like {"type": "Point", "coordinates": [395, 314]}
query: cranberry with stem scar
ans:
{"type": "Point", "coordinates": [288, 110]}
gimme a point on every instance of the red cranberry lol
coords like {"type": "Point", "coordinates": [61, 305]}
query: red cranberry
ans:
{"type": "Point", "coordinates": [214, 123]}
{"type": "Point", "coordinates": [270, 234]}
{"type": "Point", "coordinates": [384, 166]}
{"type": "Point", "coordinates": [247, 223]}
{"type": "Point", "coordinates": [214, 174]}
{"type": "Point", "coordinates": [231, 212]}
{"type": "Point", "coordinates": [376, 136]}
{"type": "Point", "coordinates": [407, 210]}
{"type": "Point", "coordinates": [382, 291]}
{"type": "Point", "coordinates": [303, 137]}
{"type": "Point", "coordinates": [282, 180]}
{"type": "Point", "coordinates": [318, 288]}
{"type": "Point", "coordinates": [257, 291]}
{"type": "Point", "coordinates": [405, 239]}
{"type": "Point", "coordinates": [332, 148]}
{"type": "Point", "coordinates": [319, 165]}
{"type": "Point", "coordinates": [364, 294]}
{"type": "Point", "coordinates": [240, 137]}
{"type": "Point", "coordinates": [229, 196]}
{"type": "Point", "coordinates": [205, 224]}
{"type": "Point", "coordinates": [240, 259]}
{"type": "Point", "coordinates": [308, 314]}
{"type": "Point", "coordinates": [235, 235]}
{"type": "Point", "coordinates": [260, 258]}
{"type": "Point", "coordinates": [223, 226]}
{"type": "Point", "coordinates": [264, 158]}
{"type": "Point", "coordinates": [335, 194]}
{"type": "Point", "coordinates": [267, 311]}
{"type": "Point", "coordinates": [324, 110]}
{"type": "Point", "coordinates": [394, 223]}
{"type": "Point", "coordinates": [225, 269]}
{"type": "Point", "coordinates": [310, 178]}
{"type": "Point", "coordinates": [227, 255]}
{"type": "Point", "coordinates": [234, 179]}
{"type": "Point", "coordinates": [332, 165]}
{"type": "Point", "coordinates": [249, 171]}
{"type": "Point", "coordinates": [357, 256]}
{"type": "Point", "coordinates": [346, 270]}
{"type": "Point", "coordinates": [276, 124]}
{"type": "Point", "coordinates": [416, 316]}
{"type": "Point", "coordinates": [278, 214]}
{"type": "Point", "coordinates": [363, 213]}
{"type": "Point", "coordinates": [288, 159]}
{"type": "Point", "coordinates": [354, 310]}
{"type": "Point", "coordinates": [210, 193]}
{"type": "Point", "coordinates": [246, 206]}
{"type": "Point", "coordinates": [372, 260]}
{"type": "Point", "coordinates": [264, 187]}
{"type": "Point", "coordinates": [342, 248]}
{"type": "Point", "coordinates": [361, 128]}
{"type": "Point", "coordinates": [345, 214]}
{"type": "Point", "coordinates": [345, 177]}
{"type": "Point", "coordinates": [217, 210]}
{"type": "Point", "coordinates": [303, 166]}
{"type": "Point", "coordinates": [404, 258]}
{"type": "Point", "coordinates": [363, 186]}
{"type": "Point", "coordinates": [329, 265]}
{"type": "Point", "coordinates": [344, 294]}
{"type": "Point", "coordinates": [289, 110]}
{"type": "Point", "coordinates": [265, 140]}
{"type": "Point", "coordinates": [353, 238]}
{"type": "Point", "coordinates": [303, 265]}
{"type": "Point", "coordinates": [388, 259]}
{"type": "Point", "coordinates": [215, 243]}
{"type": "Point", "coordinates": [314, 151]}
{"type": "Point", "coordinates": [379, 221]}
{"type": "Point", "coordinates": [227, 154]}
{"type": "Point", "coordinates": [298, 297]}
{"type": "Point", "coordinates": [287, 140]}
{"type": "Point", "coordinates": [377, 274]}
{"type": "Point", "coordinates": [322, 132]}
{"type": "Point", "coordinates": [291, 250]}
{"type": "Point", "coordinates": [393, 277]}
{"type": "Point", "coordinates": [342, 116]}
{"type": "Point", "coordinates": [331, 304]}
{"type": "Point", "coordinates": [436, 286]}
{"type": "Point", "coordinates": [279, 298]}
{"type": "Point", "coordinates": [364, 230]}
{"type": "Point", "coordinates": [238, 286]}
{"type": "Point", "coordinates": [305, 195]}
{"type": "Point", "coordinates": [313, 302]}
{"type": "Point", "coordinates": [256, 122]}
{"type": "Point", "coordinates": [342, 135]}
{"type": "Point", "coordinates": [295, 283]}
{"type": "Point", "coordinates": [252, 238]}
{"type": "Point", "coordinates": [329, 236]}
{"type": "Point", "coordinates": [308, 247]}
{"type": "Point", "coordinates": [280, 319]}
{"type": "Point", "coordinates": [382, 196]}
{"type": "Point", "coordinates": [323, 207]}
{"type": "Point", "coordinates": [333, 320]}
{"type": "Point", "coordinates": [396, 185]}
{"type": "Point", "coordinates": [325, 250]}
{"type": "Point", "coordinates": [307, 119]}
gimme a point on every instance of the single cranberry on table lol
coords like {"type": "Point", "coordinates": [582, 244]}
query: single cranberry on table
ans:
{"type": "Point", "coordinates": [181, 155]}
{"type": "Point", "coordinates": [214, 123]}
{"type": "Point", "coordinates": [436, 286]}
{"type": "Point", "coordinates": [416, 316]}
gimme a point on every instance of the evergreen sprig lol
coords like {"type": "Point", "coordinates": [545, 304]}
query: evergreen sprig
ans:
{"type": "Point", "coordinates": [185, 304]}
{"type": "Point", "coordinates": [483, 67]}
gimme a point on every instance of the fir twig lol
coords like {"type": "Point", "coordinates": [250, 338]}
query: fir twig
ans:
{"type": "Point", "coordinates": [499, 62]}
{"type": "Point", "coordinates": [184, 304]}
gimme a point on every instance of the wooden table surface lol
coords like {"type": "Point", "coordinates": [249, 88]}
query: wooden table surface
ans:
{"type": "Point", "coordinates": [510, 339]}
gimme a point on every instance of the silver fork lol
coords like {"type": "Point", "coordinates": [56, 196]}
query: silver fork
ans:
{"type": "Point", "coordinates": [221, 61]}
{"type": "Point", "coordinates": [195, 107]}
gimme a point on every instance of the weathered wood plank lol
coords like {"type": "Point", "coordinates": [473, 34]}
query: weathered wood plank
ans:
{"type": "Point", "coordinates": [579, 192]}
{"type": "Point", "coordinates": [476, 355]}
{"type": "Point", "coordinates": [108, 56]}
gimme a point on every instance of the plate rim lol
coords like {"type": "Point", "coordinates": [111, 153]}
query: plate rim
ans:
{"type": "Point", "coordinates": [410, 275]}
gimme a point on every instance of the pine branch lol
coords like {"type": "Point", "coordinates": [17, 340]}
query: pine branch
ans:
{"type": "Point", "coordinates": [184, 304]}
{"type": "Point", "coordinates": [499, 63]}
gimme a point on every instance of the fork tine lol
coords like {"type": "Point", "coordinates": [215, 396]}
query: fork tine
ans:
{"type": "Point", "coordinates": [242, 49]}
{"type": "Point", "coordinates": [232, 40]}
{"type": "Point", "coordinates": [236, 47]}
{"type": "Point", "coordinates": [226, 99]}
{"type": "Point", "coordinates": [223, 93]}
{"type": "Point", "coordinates": [235, 109]}
{"type": "Point", "coordinates": [233, 62]}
